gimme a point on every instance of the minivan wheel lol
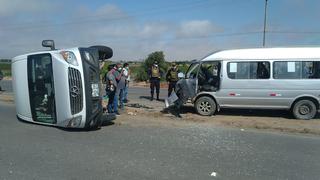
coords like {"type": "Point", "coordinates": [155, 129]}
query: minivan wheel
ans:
{"type": "Point", "coordinates": [205, 106]}
{"type": "Point", "coordinates": [94, 124]}
{"type": "Point", "coordinates": [304, 109]}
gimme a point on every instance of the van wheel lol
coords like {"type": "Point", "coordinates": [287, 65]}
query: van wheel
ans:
{"type": "Point", "coordinates": [205, 106]}
{"type": "Point", "coordinates": [304, 109]}
{"type": "Point", "coordinates": [94, 124]}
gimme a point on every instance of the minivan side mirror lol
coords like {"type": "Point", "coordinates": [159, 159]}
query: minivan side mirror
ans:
{"type": "Point", "coordinates": [48, 43]}
{"type": "Point", "coordinates": [181, 75]}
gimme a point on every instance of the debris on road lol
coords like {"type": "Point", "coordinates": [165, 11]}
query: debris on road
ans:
{"type": "Point", "coordinates": [132, 114]}
{"type": "Point", "coordinates": [137, 105]}
{"type": "Point", "coordinates": [213, 174]}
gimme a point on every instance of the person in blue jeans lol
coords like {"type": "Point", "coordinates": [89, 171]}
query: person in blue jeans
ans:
{"type": "Point", "coordinates": [121, 87]}
{"type": "Point", "coordinates": [112, 77]}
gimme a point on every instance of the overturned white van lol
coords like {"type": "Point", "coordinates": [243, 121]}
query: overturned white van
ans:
{"type": "Point", "coordinates": [60, 87]}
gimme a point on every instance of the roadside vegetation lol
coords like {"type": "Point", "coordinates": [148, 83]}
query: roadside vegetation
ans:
{"type": "Point", "coordinates": [5, 67]}
{"type": "Point", "coordinates": [139, 71]}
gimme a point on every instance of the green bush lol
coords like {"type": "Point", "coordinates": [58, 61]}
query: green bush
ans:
{"type": "Point", "coordinates": [6, 69]}
{"type": "Point", "coordinates": [141, 72]}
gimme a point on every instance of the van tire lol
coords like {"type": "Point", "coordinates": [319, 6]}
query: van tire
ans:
{"type": "Point", "coordinates": [205, 106]}
{"type": "Point", "coordinates": [94, 124]}
{"type": "Point", "coordinates": [304, 109]}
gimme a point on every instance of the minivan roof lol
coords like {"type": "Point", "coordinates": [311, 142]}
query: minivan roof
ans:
{"type": "Point", "coordinates": [266, 53]}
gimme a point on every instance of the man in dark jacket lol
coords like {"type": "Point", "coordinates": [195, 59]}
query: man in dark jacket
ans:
{"type": "Point", "coordinates": [172, 78]}
{"type": "Point", "coordinates": [155, 74]}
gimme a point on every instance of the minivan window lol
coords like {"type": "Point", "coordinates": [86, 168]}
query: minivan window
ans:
{"type": "Point", "coordinates": [192, 71]}
{"type": "Point", "coordinates": [296, 70]}
{"type": "Point", "coordinates": [248, 70]}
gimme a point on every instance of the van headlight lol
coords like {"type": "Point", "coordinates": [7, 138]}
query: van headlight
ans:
{"type": "Point", "coordinates": [75, 122]}
{"type": "Point", "coordinates": [69, 57]}
{"type": "Point", "coordinates": [95, 90]}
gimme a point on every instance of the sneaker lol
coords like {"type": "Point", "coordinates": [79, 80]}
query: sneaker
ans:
{"type": "Point", "coordinates": [117, 113]}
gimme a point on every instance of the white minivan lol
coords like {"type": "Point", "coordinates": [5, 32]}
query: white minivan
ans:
{"type": "Point", "coordinates": [60, 87]}
{"type": "Point", "coordinates": [265, 78]}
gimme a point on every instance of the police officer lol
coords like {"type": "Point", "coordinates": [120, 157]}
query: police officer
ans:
{"type": "Point", "coordinates": [172, 78]}
{"type": "Point", "coordinates": [154, 74]}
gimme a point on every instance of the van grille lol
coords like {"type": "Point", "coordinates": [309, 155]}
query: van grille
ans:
{"type": "Point", "coordinates": [75, 88]}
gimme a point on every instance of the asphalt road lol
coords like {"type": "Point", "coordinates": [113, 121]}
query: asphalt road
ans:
{"type": "Point", "coordinates": [29, 151]}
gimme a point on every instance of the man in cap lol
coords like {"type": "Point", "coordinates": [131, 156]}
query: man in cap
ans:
{"type": "Point", "coordinates": [172, 78]}
{"type": "Point", "coordinates": [155, 74]}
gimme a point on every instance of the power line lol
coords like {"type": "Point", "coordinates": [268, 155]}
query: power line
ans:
{"type": "Point", "coordinates": [294, 32]}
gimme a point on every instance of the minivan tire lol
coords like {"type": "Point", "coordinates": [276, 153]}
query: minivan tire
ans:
{"type": "Point", "coordinates": [304, 109]}
{"type": "Point", "coordinates": [205, 106]}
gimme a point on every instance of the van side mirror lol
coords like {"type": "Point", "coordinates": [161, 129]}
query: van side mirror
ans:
{"type": "Point", "coordinates": [181, 75]}
{"type": "Point", "coordinates": [48, 43]}
{"type": "Point", "coordinates": [104, 52]}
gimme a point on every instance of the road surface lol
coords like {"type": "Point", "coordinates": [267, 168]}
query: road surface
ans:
{"type": "Point", "coordinates": [139, 151]}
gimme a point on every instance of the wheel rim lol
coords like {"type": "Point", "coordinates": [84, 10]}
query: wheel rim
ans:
{"type": "Point", "coordinates": [304, 109]}
{"type": "Point", "coordinates": [205, 107]}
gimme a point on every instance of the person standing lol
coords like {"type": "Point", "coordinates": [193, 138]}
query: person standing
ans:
{"type": "Point", "coordinates": [110, 88]}
{"type": "Point", "coordinates": [121, 87]}
{"type": "Point", "coordinates": [154, 74]}
{"type": "Point", "coordinates": [172, 78]}
{"type": "Point", "coordinates": [126, 73]}
{"type": "Point", "coordinates": [113, 77]}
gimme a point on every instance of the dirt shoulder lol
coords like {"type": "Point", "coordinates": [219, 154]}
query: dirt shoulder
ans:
{"type": "Point", "coordinates": [6, 97]}
{"type": "Point", "coordinates": [138, 117]}
{"type": "Point", "coordinates": [267, 120]}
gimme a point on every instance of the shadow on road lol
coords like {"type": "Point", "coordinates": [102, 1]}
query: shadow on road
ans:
{"type": "Point", "coordinates": [149, 98]}
{"type": "Point", "coordinates": [104, 124]}
{"type": "Point", "coordinates": [243, 112]}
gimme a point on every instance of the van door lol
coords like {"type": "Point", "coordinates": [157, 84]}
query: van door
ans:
{"type": "Point", "coordinates": [192, 79]}
{"type": "Point", "coordinates": [209, 76]}
{"type": "Point", "coordinates": [187, 88]}
{"type": "Point", "coordinates": [41, 88]}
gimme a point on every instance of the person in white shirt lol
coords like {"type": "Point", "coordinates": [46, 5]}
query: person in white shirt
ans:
{"type": "Point", "coordinates": [126, 73]}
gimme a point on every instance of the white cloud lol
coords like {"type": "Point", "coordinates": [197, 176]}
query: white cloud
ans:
{"type": "Point", "coordinates": [197, 28]}
{"type": "Point", "coordinates": [108, 25]}
{"type": "Point", "coordinates": [155, 29]}
{"type": "Point", "coordinates": [11, 7]}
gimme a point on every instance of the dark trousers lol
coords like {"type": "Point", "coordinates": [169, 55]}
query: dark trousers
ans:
{"type": "Point", "coordinates": [172, 87]}
{"type": "Point", "coordinates": [113, 102]}
{"type": "Point", "coordinates": [155, 83]}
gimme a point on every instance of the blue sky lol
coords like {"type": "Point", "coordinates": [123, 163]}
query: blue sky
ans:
{"type": "Point", "coordinates": [183, 29]}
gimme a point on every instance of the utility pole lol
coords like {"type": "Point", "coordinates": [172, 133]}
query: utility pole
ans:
{"type": "Point", "coordinates": [265, 24]}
